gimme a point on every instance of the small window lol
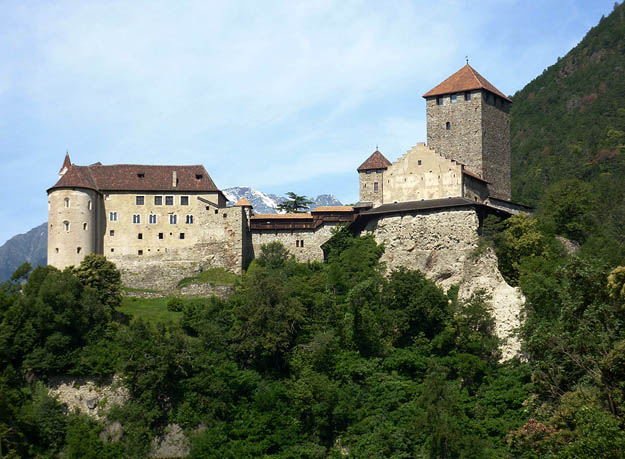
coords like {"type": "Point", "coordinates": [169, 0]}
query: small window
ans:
{"type": "Point", "coordinates": [140, 200]}
{"type": "Point", "coordinates": [181, 235]}
{"type": "Point", "coordinates": [453, 99]}
{"type": "Point", "coordinates": [379, 171]}
{"type": "Point", "coordinates": [189, 219]}
{"type": "Point", "coordinates": [57, 250]}
{"type": "Point", "coordinates": [467, 96]}
{"type": "Point", "coordinates": [184, 200]}
{"type": "Point", "coordinates": [140, 236]}
{"type": "Point", "coordinates": [439, 100]}
{"type": "Point", "coordinates": [158, 200]}
{"type": "Point", "coordinates": [173, 219]}
{"type": "Point", "coordinates": [301, 243]}
{"type": "Point", "coordinates": [375, 187]}
{"type": "Point", "coordinates": [107, 197]}
{"type": "Point", "coordinates": [225, 215]}
{"type": "Point", "coordinates": [448, 125]}
{"type": "Point", "coordinates": [297, 243]}
{"type": "Point", "coordinates": [78, 249]}
{"type": "Point", "coordinates": [169, 200]}
{"type": "Point", "coordinates": [66, 202]}
{"type": "Point", "coordinates": [216, 211]}
{"type": "Point", "coordinates": [160, 235]}
{"type": "Point", "coordinates": [368, 172]}
{"type": "Point", "coordinates": [139, 252]}
{"type": "Point", "coordinates": [136, 218]}
{"type": "Point", "coordinates": [112, 233]}
{"type": "Point", "coordinates": [152, 219]}
{"type": "Point", "coordinates": [419, 162]}
{"type": "Point", "coordinates": [112, 250]}
{"type": "Point", "coordinates": [84, 227]}
{"type": "Point", "coordinates": [89, 205]}
{"type": "Point", "coordinates": [141, 175]}
{"type": "Point", "coordinates": [198, 176]}
{"type": "Point", "coordinates": [66, 226]}
{"type": "Point", "coordinates": [113, 216]}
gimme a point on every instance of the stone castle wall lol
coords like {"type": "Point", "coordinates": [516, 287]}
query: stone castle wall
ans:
{"type": "Point", "coordinates": [292, 240]}
{"type": "Point", "coordinates": [74, 219]}
{"type": "Point", "coordinates": [463, 140]}
{"type": "Point", "coordinates": [496, 128]}
{"type": "Point", "coordinates": [422, 174]}
{"type": "Point", "coordinates": [368, 192]}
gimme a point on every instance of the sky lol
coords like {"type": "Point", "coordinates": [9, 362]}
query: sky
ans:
{"type": "Point", "coordinates": [277, 95]}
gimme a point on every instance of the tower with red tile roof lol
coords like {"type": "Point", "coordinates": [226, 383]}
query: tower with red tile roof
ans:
{"type": "Point", "coordinates": [468, 121]}
{"type": "Point", "coordinates": [371, 177]}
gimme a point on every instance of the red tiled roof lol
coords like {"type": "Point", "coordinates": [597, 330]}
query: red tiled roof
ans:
{"type": "Point", "coordinates": [136, 177]}
{"type": "Point", "coordinates": [333, 209]}
{"type": "Point", "coordinates": [375, 161]}
{"type": "Point", "coordinates": [474, 175]}
{"type": "Point", "coordinates": [302, 216]}
{"type": "Point", "coordinates": [243, 202]}
{"type": "Point", "coordinates": [66, 163]}
{"type": "Point", "coordinates": [464, 79]}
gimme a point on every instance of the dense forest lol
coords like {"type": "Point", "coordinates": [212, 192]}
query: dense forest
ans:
{"type": "Point", "coordinates": [340, 359]}
{"type": "Point", "coordinates": [568, 136]}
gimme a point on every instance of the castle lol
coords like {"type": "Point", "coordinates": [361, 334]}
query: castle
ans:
{"type": "Point", "coordinates": [159, 222]}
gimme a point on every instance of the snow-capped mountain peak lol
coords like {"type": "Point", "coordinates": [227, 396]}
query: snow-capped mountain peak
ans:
{"type": "Point", "coordinates": [265, 203]}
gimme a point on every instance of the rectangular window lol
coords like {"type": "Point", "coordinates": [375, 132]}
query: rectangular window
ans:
{"type": "Point", "coordinates": [301, 243]}
{"type": "Point", "coordinates": [467, 96]}
{"type": "Point", "coordinates": [419, 162]}
{"type": "Point", "coordinates": [160, 235]}
{"type": "Point", "coordinates": [297, 243]}
{"type": "Point", "coordinates": [140, 236]}
{"type": "Point", "coordinates": [152, 219]}
{"type": "Point", "coordinates": [453, 99]}
{"type": "Point", "coordinates": [140, 200]}
{"type": "Point", "coordinates": [140, 252]}
{"type": "Point", "coordinates": [375, 187]}
{"type": "Point", "coordinates": [112, 233]}
{"type": "Point", "coordinates": [189, 219]}
{"type": "Point", "coordinates": [158, 200]}
{"type": "Point", "coordinates": [136, 218]}
{"type": "Point", "coordinates": [169, 200]}
{"type": "Point", "coordinates": [107, 197]}
{"type": "Point", "coordinates": [77, 249]}
{"type": "Point", "coordinates": [113, 216]}
{"type": "Point", "coordinates": [225, 215]}
{"type": "Point", "coordinates": [173, 219]}
{"type": "Point", "coordinates": [181, 235]}
{"type": "Point", "coordinates": [439, 100]}
{"type": "Point", "coordinates": [368, 172]}
{"type": "Point", "coordinates": [184, 200]}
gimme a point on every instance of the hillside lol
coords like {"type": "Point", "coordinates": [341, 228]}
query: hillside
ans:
{"type": "Point", "coordinates": [570, 123]}
{"type": "Point", "coordinates": [31, 247]}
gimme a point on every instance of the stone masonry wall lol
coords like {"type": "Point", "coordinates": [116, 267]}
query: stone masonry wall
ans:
{"type": "Point", "coordinates": [421, 173]}
{"type": "Point", "coordinates": [442, 244]}
{"type": "Point", "coordinates": [463, 140]}
{"type": "Point", "coordinates": [496, 150]}
{"type": "Point", "coordinates": [313, 239]}
{"type": "Point", "coordinates": [368, 192]}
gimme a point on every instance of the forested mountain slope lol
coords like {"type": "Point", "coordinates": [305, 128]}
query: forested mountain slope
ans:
{"type": "Point", "coordinates": [570, 123]}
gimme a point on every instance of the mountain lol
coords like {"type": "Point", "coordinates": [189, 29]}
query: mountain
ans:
{"type": "Point", "coordinates": [569, 123]}
{"type": "Point", "coordinates": [31, 247]}
{"type": "Point", "coordinates": [268, 203]}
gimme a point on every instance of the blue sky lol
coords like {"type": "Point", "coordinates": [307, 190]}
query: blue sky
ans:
{"type": "Point", "coordinates": [281, 96]}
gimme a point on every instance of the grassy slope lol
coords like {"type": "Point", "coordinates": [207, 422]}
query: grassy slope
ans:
{"type": "Point", "coordinates": [151, 309]}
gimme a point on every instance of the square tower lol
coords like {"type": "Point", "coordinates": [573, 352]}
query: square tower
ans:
{"type": "Point", "coordinates": [468, 120]}
{"type": "Point", "coordinates": [371, 174]}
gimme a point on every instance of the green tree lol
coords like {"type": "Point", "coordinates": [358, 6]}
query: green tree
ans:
{"type": "Point", "coordinates": [97, 272]}
{"type": "Point", "coordinates": [295, 204]}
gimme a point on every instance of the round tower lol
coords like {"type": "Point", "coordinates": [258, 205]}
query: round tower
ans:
{"type": "Point", "coordinates": [72, 218]}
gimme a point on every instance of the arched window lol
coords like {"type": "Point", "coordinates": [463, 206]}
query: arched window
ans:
{"type": "Point", "coordinates": [84, 226]}
{"type": "Point", "coordinates": [66, 226]}
{"type": "Point", "coordinates": [89, 205]}
{"type": "Point", "coordinates": [448, 125]}
{"type": "Point", "coordinates": [66, 202]}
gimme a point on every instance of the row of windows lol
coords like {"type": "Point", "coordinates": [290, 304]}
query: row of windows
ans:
{"type": "Point", "coordinates": [158, 200]}
{"type": "Point", "coordinates": [67, 202]}
{"type": "Point", "coordinates": [66, 226]}
{"type": "Point", "coordinates": [152, 219]}
{"type": "Point", "coordinates": [377, 171]}
{"type": "Point", "coordinates": [440, 100]}
{"type": "Point", "coordinates": [159, 235]}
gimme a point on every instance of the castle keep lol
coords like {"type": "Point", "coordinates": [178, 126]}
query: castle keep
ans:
{"type": "Point", "coordinates": [164, 222]}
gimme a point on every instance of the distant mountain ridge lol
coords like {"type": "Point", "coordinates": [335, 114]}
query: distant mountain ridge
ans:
{"type": "Point", "coordinates": [33, 245]}
{"type": "Point", "coordinates": [265, 203]}
{"type": "Point", "coordinates": [30, 247]}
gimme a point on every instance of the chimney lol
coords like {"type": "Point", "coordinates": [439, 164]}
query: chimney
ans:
{"type": "Point", "coordinates": [174, 179]}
